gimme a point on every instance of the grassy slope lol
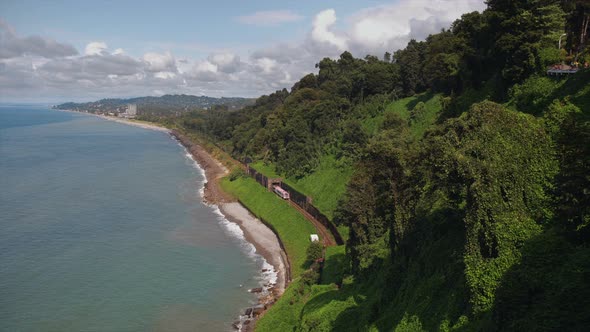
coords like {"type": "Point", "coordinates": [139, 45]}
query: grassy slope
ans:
{"type": "Point", "coordinates": [292, 227]}
{"type": "Point", "coordinates": [325, 185]}
{"type": "Point", "coordinates": [335, 265]}
{"type": "Point", "coordinates": [403, 107]}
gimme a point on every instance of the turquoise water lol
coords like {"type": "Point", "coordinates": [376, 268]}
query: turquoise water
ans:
{"type": "Point", "coordinates": [103, 229]}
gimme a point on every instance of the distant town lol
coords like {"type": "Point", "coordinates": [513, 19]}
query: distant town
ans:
{"type": "Point", "coordinates": [164, 105]}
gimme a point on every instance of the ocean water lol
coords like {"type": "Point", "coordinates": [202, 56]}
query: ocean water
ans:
{"type": "Point", "coordinates": [102, 228]}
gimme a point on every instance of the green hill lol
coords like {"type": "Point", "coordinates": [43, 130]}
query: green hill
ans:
{"type": "Point", "coordinates": [458, 169]}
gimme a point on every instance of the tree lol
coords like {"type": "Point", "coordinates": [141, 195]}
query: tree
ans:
{"type": "Point", "coordinates": [315, 251]}
{"type": "Point", "coordinates": [523, 28]}
{"type": "Point", "coordinates": [387, 57]}
{"type": "Point", "coordinates": [410, 61]}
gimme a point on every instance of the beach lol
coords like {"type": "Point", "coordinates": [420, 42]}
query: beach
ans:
{"type": "Point", "coordinates": [265, 241]}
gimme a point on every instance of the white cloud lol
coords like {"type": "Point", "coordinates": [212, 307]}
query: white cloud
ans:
{"type": "Point", "coordinates": [270, 18]}
{"type": "Point", "coordinates": [321, 33]}
{"type": "Point", "coordinates": [266, 64]}
{"type": "Point", "coordinates": [118, 51]}
{"type": "Point", "coordinates": [205, 66]}
{"type": "Point", "coordinates": [389, 27]}
{"type": "Point", "coordinates": [226, 62]}
{"type": "Point", "coordinates": [160, 62]}
{"type": "Point", "coordinates": [165, 75]}
{"type": "Point", "coordinates": [95, 48]}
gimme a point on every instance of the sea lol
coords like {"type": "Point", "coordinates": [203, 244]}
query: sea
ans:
{"type": "Point", "coordinates": [103, 228]}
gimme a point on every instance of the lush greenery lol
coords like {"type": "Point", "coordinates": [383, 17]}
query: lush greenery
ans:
{"type": "Point", "coordinates": [460, 170]}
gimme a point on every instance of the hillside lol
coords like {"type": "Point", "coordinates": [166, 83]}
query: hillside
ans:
{"type": "Point", "coordinates": [456, 166]}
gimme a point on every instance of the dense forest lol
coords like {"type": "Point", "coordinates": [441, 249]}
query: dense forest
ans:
{"type": "Point", "coordinates": [465, 176]}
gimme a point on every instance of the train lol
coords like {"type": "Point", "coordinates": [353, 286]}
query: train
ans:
{"type": "Point", "coordinates": [281, 192]}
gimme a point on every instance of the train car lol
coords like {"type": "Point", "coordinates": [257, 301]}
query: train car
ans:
{"type": "Point", "coordinates": [281, 192]}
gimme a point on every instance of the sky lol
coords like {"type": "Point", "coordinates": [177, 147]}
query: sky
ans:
{"type": "Point", "coordinates": [57, 51]}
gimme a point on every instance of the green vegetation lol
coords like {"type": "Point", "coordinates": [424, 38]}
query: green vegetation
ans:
{"type": "Point", "coordinates": [292, 227]}
{"type": "Point", "coordinates": [325, 185]}
{"type": "Point", "coordinates": [458, 168]}
{"type": "Point", "coordinates": [420, 111]}
{"type": "Point", "coordinates": [335, 265]}
{"type": "Point", "coordinates": [315, 251]}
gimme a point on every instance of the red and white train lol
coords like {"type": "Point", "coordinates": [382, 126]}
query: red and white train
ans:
{"type": "Point", "coordinates": [281, 192]}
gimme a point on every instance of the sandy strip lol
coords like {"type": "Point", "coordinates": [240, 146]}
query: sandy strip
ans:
{"type": "Point", "coordinates": [130, 122]}
{"type": "Point", "coordinates": [265, 241]}
{"type": "Point", "coordinates": [135, 123]}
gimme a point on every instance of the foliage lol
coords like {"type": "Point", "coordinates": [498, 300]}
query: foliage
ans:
{"type": "Point", "coordinates": [529, 97]}
{"type": "Point", "coordinates": [504, 162]}
{"type": "Point", "coordinates": [310, 277]}
{"type": "Point", "coordinates": [315, 251]}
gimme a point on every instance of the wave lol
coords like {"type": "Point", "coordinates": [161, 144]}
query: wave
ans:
{"type": "Point", "coordinates": [270, 275]}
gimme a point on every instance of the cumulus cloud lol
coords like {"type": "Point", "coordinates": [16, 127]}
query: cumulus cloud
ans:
{"type": "Point", "coordinates": [265, 64]}
{"type": "Point", "coordinates": [95, 48]}
{"type": "Point", "coordinates": [160, 62]}
{"type": "Point", "coordinates": [270, 18]}
{"type": "Point", "coordinates": [225, 62]}
{"type": "Point", "coordinates": [11, 45]}
{"type": "Point", "coordinates": [321, 30]}
{"type": "Point", "coordinates": [389, 27]}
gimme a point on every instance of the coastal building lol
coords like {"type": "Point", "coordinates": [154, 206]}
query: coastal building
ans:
{"type": "Point", "coordinates": [131, 110]}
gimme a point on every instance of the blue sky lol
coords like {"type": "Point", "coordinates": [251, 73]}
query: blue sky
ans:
{"type": "Point", "coordinates": [83, 50]}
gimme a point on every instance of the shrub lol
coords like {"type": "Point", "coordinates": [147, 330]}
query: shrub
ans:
{"type": "Point", "coordinates": [314, 251]}
{"type": "Point", "coordinates": [531, 96]}
{"type": "Point", "coordinates": [310, 277]}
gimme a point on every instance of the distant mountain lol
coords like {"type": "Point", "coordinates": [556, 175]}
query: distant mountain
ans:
{"type": "Point", "coordinates": [159, 105]}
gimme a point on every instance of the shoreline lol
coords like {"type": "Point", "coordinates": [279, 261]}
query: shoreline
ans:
{"type": "Point", "coordinates": [130, 122]}
{"type": "Point", "coordinates": [264, 240]}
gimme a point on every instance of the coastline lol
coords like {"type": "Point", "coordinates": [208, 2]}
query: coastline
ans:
{"type": "Point", "coordinates": [264, 240]}
{"type": "Point", "coordinates": [130, 122]}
